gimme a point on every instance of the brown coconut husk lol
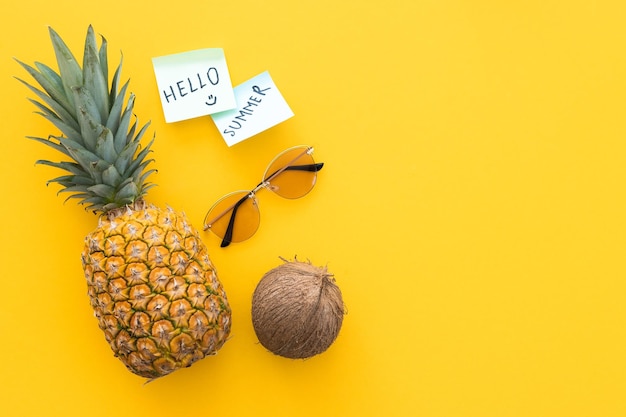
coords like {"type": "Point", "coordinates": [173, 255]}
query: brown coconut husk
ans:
{"type": "Point", "coordinates": [297, 310]}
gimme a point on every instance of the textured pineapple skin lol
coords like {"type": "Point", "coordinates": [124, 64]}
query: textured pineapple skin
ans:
{"type": "Point", "coordinates": [154, 291]}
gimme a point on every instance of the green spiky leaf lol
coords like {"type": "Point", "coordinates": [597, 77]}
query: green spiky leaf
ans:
{"type": "Point", "coordinates": [70, 72]}
{"type": "Point", "coordinates": [94, 80]}
{"type": "Point", "coordinates": [113, 121]}
{"type": "Point", "coordinates": [55, 91]}
{"type": "Point", "coordinates": [111, 176]}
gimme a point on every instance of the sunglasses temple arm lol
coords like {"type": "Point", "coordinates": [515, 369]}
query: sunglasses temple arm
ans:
{"type": "Point", "coordinates": [207, 225]}
{"type": "Point", "coordinates": [308, 168]}
{"type": "Point", "coordinates": [228, 235]}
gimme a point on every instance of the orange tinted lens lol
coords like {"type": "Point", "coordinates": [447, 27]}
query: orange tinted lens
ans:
{"type": "Point", "coordinates": [285, 177]}
{"type": "Point", "coordinates": [246, 216]}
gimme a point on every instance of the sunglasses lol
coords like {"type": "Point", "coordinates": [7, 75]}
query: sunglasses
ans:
{"type": "Point", "coordinates": [236, 217]}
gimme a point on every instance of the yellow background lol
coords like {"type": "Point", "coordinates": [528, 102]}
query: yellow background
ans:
{"type": "Point", "coordinates": [472, 208]}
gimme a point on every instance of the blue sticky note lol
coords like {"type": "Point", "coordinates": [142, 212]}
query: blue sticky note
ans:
{"type": "Point", "coordinates": [194, 83]}
{"type": "Point", "coordinates": [259, 106]}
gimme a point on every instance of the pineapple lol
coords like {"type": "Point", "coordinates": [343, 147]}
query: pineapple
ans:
{"type": "Point", "coordinates": [153, 288]}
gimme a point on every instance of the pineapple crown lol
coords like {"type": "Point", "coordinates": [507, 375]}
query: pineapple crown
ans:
{"type": "Point", "coordinates": [107, 166]}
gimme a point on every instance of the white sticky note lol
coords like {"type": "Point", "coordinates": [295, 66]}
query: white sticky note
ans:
{"type": "Point", "coordinates": [259, 107]}
{"type": "Point", "coordinates": [193, 84]}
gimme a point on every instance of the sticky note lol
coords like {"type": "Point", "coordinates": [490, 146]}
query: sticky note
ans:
{"type": "Point", "coordinates": [259, 107]}
{"type": "Point", "coordinates": [193, 84]}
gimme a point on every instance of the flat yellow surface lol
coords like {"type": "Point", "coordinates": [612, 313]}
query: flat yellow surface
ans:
{"type": "Point", "coordinates": [472, 208]}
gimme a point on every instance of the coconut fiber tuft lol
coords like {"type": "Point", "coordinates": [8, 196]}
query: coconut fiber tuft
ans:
{"type": "Point", "coordinates": [297, 310]}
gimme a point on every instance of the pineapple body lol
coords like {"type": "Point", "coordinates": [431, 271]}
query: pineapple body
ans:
{"type": "Point", "coordinates": [154, 290]}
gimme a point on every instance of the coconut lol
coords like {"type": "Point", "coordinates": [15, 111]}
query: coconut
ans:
{"type": "Point", "coordinates": [297, 310]}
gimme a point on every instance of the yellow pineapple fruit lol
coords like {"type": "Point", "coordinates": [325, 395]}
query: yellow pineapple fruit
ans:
{"type": "Point", "coordinates": [151, 283]}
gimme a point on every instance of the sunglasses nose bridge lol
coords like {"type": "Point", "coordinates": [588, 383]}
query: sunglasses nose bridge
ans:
{"type": "Point", "coordinates": [260, 186]}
